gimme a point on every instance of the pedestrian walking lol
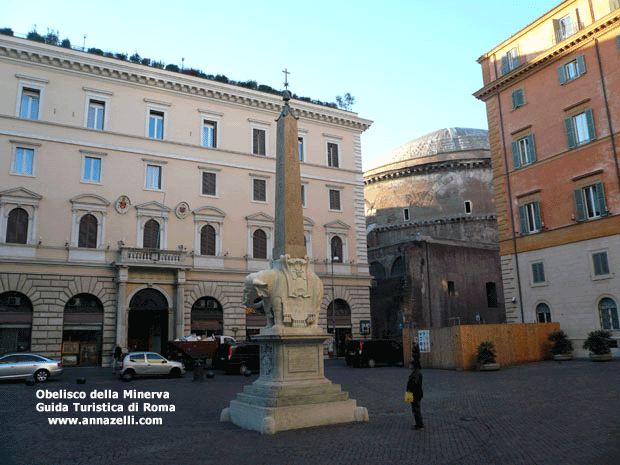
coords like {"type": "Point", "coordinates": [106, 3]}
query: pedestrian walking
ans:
{"type": "Point", "coordinates": [118, 354]}
{"type": "Point", "coordinates": [414, 385]}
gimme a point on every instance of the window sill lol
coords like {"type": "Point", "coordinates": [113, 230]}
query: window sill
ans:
{"type": "Point", "coordinates": [26, 175]}
{"type": "Point", "coordinates": [152, 189]}
{"type": "Point", "coordinates": [96, 183]}
{"type": "Point", "coordinates": [544, 284]}
{"type": "Point", "coordinates": [215, 196]}
{"type": "Point", "coordinates": [603, 277]}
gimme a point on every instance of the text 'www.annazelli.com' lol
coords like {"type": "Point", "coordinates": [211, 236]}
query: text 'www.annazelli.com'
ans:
{"type": "Point", "coordinates": [124, 420]}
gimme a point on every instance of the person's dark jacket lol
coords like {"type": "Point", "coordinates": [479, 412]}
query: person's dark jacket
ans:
{"type": "Point", "coordinates": [414, 384]}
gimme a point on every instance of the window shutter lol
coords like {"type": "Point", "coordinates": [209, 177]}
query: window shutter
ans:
{"type": "Point", "coordinates": [520, 97]}
{"type": "Point", "coordinates": [579, 206]}
{"type": "Point", "coordinates": [91, 117]}
{"type": "Point", "coordinates": [537, 220]}
{"type": "Point", "coordinates": [505, 65]}
{"type": "Point", "coordinates": [590, 120]}
{"type": "Point", "coordinates": [259, 244]}
{"type": "Point", "coordinates": [517, 99]}
{"type": "Point", "coordinates": [581, 65]}
{"type": "Point", "coordinates": [531, 150]}
{"type": "Point", "coordinates": [207, 240]}
{"type": "Point", "coordinates": [557, 30]}
{"type": "Point", "coordinates": [208, 184]}
{"type": "Point", "coordinates": [570, 133]}
{"type": "Point", "coordinates": [214, 141]}
{"type": "Point", "coordinates": [562, 74]}
{"type": "Point", "coordinates": [515, 154]}
{"type": "Point", "coordinates": [618, 42]}
{"type": "Point", "coordinates": [151, 235]}
{"type": "Point", "coordinates": [600, 198]}
{"type": "Point", "coordinates": [523, 219]}
{"type": "Point", "coordinates": [17, 226]}
{"type": "Point", "coordinates": [88, 232]}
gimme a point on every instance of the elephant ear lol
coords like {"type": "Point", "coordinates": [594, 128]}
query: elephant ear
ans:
{"type": "Point", "coordinates": [262, 289]}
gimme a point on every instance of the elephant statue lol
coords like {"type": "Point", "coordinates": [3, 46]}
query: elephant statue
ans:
{"type": "Point", "coordinates": [290, 296]}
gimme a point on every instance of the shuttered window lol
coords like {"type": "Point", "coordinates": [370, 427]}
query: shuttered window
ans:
{"type": "Point", "coordinates": [207, 240]}
{"type": "Point", "coordinates": [151, 235]}
{"type": "Point", "coordinates": [260, 190]}
{"type": "Point", "coordinates": [209, 134]}
{"type": "Point", "coordinates": [332, 155]}
{"type": "Point", "coordinates": [209, 183]}
{"type": "Point", "coordinates": [538, 272]}
{"type": "Point", "coordinates": [334, 199]}
{"type": "Point", "coordinates": [259, 244]}
{"type": "Point", "coordinates": [523, 151]}
{"type": "Point", "coordinates": [258, 141]}
{"type": "Point", "coordinates": [580, 129]}
{"type": "Point", "coordinates": [88, 232]}
{"type": "Point", "coordinates": [17, 226]}
{"type": "Point", "coordinates": [518, 100]}
{"type": "Point", "coordinates": [572, 70]}
{"type": "Point", "coordinates": [96, 110]}
{"type": "Point", "coordinates": [601, 264]}
{"type": "Point", "coordinates": [590, 202]}
{"type": "Point", "coordinates": [30, 104]}
{"type": "Point", "coordinates": [336, 248]}
{"type": "Point", "coordinates": [529, 215]}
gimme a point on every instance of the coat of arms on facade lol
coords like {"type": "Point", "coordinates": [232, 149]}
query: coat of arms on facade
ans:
{"type": "Point", "coordinates": [122, 204]}
{"type": "Point", "coordinates": [182, 210]}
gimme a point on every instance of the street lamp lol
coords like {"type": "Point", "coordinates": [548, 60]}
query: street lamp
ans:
{"type": "Point", "coordinates": [334, 259]}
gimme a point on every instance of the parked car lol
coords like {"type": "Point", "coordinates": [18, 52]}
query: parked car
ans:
{"type": "Point", "coordinates": [372, 352]}
{"type": "Point", "coordinates": [242, 357]}
{"type": "Point", "coordinates": [147, 364]}
{"type": "Point", "coordinates": [27, 365]}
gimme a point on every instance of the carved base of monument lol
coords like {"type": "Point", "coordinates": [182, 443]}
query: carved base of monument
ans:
{"type": "Point", "coordinates": [292, 391]}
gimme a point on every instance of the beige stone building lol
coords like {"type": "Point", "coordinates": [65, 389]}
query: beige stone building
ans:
{"type": "Point", "coordinates": [134, 201]}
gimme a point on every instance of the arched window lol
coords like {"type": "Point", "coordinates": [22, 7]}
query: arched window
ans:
{"type": "Point", "coordinates": [609, 314]}
{"type": "Point", "coordinates": [151, 235]}
{"type": "Point", "coordinates": [17, 226]}
{"type": "Point", "coordinates": [88, 232]}
{"type": "Point", "coordinates": [259, 242]}
{"type": "Point", "coordinates": [377, 270]}
{"type": "Point", "coordinates": [207, 240]}
{"type": "Point", "coordinates": [336, 246]}
{"type": "Point", "coordinates": [543, 313]}
{"type": "Point", "coordinates": [398, 267]}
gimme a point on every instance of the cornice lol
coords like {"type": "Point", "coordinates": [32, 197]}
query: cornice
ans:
{"type": "Point", "coordinates": [455, 219]}
{"type": "Point", "coordinates": [551, 55]}
{"type": "Point", "coordinates": [427, 168]}
{"type": "Point", "coordinates": [110, 68]}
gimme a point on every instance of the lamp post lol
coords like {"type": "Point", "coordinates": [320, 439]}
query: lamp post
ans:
{"type": "Point", "coordinates": [334, 258]}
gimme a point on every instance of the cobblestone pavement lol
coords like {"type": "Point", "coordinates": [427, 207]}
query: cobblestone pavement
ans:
{"type": "Point", "coordinates": [540, 413]}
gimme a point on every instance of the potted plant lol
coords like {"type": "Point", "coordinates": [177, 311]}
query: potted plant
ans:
{"type": "Point", "coordinates": [486, 357]}
{"type": "Point", "coordinates": [598, 345]}
{"type": "Point", "coordinates": [562, 348]}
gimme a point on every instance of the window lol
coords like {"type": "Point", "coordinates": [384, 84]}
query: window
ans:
{"type": "Point", "coordinates": [572, 70]}
{"type": "Point", "coordinates": [156, 124]}
{"type": "Point", "coordinates": [23, 161]}
{"type": "Point", "coordinates": [300, 146]}
{"type": "Point", "coordinates": [336, 249]}
{"type": "Point", "coordinates": [91, 171]}
{"type": "Point", "coordinates": [406, 214]}
{"type": "Point", "coordinates": [580, 129]}
{"type": "Point", "coordinates": [510, 61]}
{"type": "Point", "coordinates": [207, 240]}
{"type": "Point", "coordinates": [609, 314]}
{"type": "Point", "coordinates": [151, 235]}
{"type": "Point", "coordinates": [467, 205]}
{"type": "Point", "coordinates": [17, 226]}
{"type": "Point", "coordinates": [451, 288]}
{"type": "Point", "coordinates": [600, 263]}
{"type": "Point", "coordinates": [614, 5]}
{"type": "Point", "coordinates": [491, 295]}
{"type": "Point", "coordinates": [259, 244]}
{"type": "Point", "coordinates": [543, 313]}
{"type": "Point", "coordinates": [29, 107]}
{"type": "Point", "coordinates": [564, 28]}
{"type": "Point", "coordinates": [523, 151]}
{"type": "Point", "coordinates": [529, 214]}
{"type": "Point", "coordinates": [518, 100]}
{"type": "Point", "coordinates": [96, 111]}
{"type": "Point", "coordinates": [334, 200]}
{"type": "Point", "coordinates": [153, 177]}
{"type": "Point", "coordinates": [538, 272]}
{"type": "Point", "coordinates": [209, 134]}
{"type": "Point", "coordinates": [88, 232]}
{"type": "Point", "coordinates": [590, 202]}
{"type": "Point", "coordinates": [332, 155]}
{"type": "Point", "coordinates": [209, 183]}
{"type": "Point", "coordinates": [259, 190]}
{"type": "Point", "coordinates": [259, 137]}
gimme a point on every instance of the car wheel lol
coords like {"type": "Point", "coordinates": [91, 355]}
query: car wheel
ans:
{"type": "Point", "coordinates": [41, 376]}
{"type": "Point", "coordinates": [371, 363]}
{"type": "Point", "coordinates": [175, 373]}
{"type": "Point", "coordinates": [127, 376]}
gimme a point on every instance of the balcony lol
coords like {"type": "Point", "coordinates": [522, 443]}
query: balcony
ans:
{"type": "Point", "coordinates": [130, 256]}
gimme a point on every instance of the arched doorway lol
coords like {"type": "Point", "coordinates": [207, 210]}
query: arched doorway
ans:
{"type": "Point", "coordinates": [15, 322]}
{"type": "Point", "coordinates": [339, 320]}
{"type": "Point", "coordinates": [148, 321]}
{"type": "Point", "coordinates": [82, 332]}
{"type": "Point", "coordinates": [207, 317]}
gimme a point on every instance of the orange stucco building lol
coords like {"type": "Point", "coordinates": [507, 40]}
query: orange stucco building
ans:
{"type": "Point", "coordinates": [552, 93]}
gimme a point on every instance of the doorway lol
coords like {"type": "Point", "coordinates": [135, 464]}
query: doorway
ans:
{"type": "Point", "coordinates": [147, 327]}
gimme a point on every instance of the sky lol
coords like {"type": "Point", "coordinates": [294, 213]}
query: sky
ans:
{"type": "Point", "coordinates": [410, 64]}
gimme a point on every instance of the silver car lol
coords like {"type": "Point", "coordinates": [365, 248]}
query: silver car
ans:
{"type": "Point", "coordinates": [147, 364]}
{"type": "Point", "coordinates": [27, 365]}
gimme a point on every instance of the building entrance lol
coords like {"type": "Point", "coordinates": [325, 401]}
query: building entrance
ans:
{"type": "Point", "coordinates": [148, 321]}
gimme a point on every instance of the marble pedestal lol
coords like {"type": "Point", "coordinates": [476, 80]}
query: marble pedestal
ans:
{"type": "Point", "coordinates": [292, 391]}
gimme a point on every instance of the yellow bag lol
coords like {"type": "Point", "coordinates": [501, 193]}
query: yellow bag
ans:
{"type": "Point", "coordinates": [409, 397]}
